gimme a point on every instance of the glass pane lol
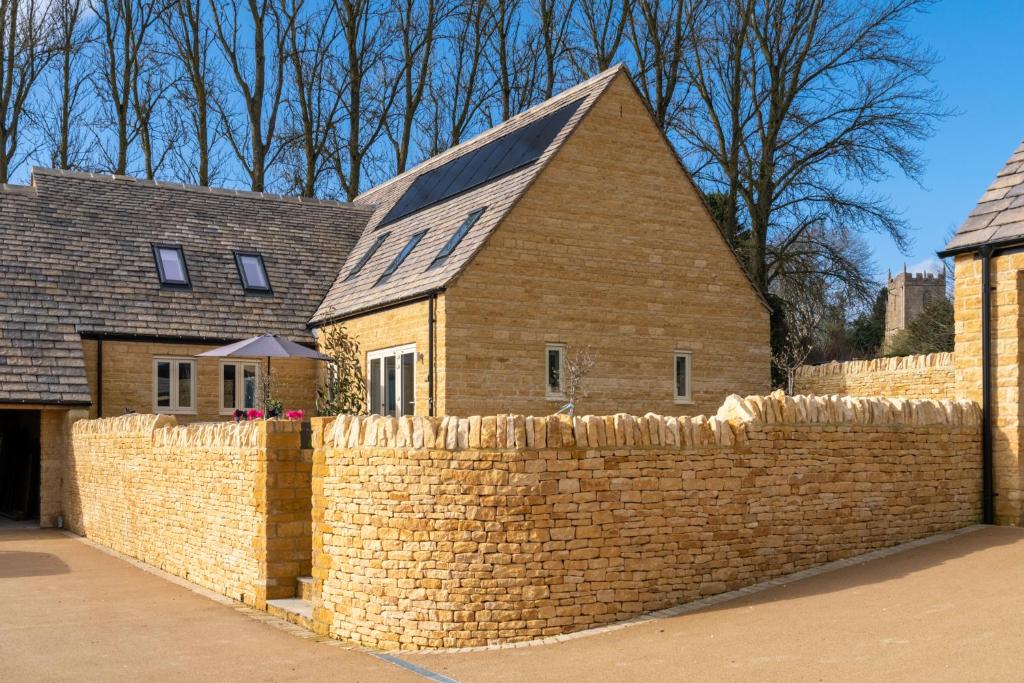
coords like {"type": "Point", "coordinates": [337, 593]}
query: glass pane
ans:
{"type": "Point", "coordinates": [184, 384]}
{"type": "Point", "coordinates": [554, 370]}
{"type": "Point", "coordinates": [375, 402]}
{"type": "Point", "coordinates": [408, 383]}
{"type": "Point", "coordinates": [228, 384]}
{"type": "Point", "coordinates": [390, 404]}
{"type": "Point", "coordinates": [174, 269]}
{"type": "Point", "coordinates": [249, 386]}
{"type": "Point", "coordinates": [255, 277]}
{"type": "Point", "coordinates": [681, 376]}
{"type": "Point", "coordinates": [163, 384]}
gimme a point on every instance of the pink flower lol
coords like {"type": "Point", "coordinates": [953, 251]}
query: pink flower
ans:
{"type": "Point", "coordinates": [294, 414]}
{"type": "Point", "coordinates": [255, 414]}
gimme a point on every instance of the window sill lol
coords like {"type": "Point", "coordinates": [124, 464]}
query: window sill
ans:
{"type": "Point", "coordinates": [683, 401]}
{"type": "Point", "coordinates": [554, 399]}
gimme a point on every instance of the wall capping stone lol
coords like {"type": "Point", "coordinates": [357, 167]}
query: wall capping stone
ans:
{"type": "Point", "coordinates": [889, 364]}
{"type": "Point", "coordinates": [724, 429]}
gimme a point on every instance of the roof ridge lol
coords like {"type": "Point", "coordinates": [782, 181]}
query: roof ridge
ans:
{"type": "Point", "coordinates": [200, 189]}
{"type": "Point", "coordinates": [458, 149]}
{"type": "Point", "coordinates": [14, 188]}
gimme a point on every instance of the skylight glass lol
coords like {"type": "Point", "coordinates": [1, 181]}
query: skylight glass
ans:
{"type": "Point", "coordinates": [367, 255]}
{"type": "Point", "coordinates": [252, 272]}
{"type": "Point", "coordinates": [170, 265]}
{"type": "Point", "coordinates": [454, 240]}
{"type": "Point", "coordinates": [402, 255]}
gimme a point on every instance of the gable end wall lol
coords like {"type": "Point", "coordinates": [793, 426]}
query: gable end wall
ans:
{"type": "Point", "coordinates": [612, 248]}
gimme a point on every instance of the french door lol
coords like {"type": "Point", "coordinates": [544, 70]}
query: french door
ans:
{"type": "Point", "coordinates": [391, 381]}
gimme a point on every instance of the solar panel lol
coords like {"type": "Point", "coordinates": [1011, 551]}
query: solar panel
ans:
{"type": "Point", "coordinates": [397, 261]}
{"type": "Point", "coordinates": [454, 240]}
{"type": "Point", "coordinates": [512, 151]}
{"type": "Point", "coordinates": [367, 255]}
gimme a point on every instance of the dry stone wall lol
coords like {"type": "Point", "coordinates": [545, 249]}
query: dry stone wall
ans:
{"type": "Point", "coordinates": [224, 505]}
{"type": "Point", "coordinates": [452, 532]}
{"type": "Point", "coordinates": [931, 376]}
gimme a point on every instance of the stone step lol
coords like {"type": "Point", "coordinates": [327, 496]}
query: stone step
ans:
{"type": "Point", "coordinates": [294, 610]}
{"type": "Point", "coordinates": [304, 588]}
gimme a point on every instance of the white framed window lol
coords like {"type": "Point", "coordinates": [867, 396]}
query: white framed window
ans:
{"type": "Point", "coordinates": [554, 371]}
{"type": "Point", "coordinates": [174, 385]}
{"type": "Point", "coordinates": [683, 360]}
{"type": "Point", "coordinates": [391, 381]}
{"type": "Point", "coordinates": [239, 386]}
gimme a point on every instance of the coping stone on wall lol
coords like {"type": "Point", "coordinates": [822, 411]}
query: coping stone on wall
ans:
{"type": "Point", "coordinates": [726, 428]}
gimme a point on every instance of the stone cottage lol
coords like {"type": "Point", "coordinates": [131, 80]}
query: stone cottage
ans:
{"type": "Point", "coordinates": [571, 227]}
{"type": "Point", "coordinates": [471, 282]}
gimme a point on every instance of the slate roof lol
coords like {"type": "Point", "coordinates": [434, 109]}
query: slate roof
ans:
{"type": "Point", "coordinates": [76, 258]}
{"type": "Point", "coordinates": [415, 278]}
{"type": "Point", "coordinates": [999, 216]}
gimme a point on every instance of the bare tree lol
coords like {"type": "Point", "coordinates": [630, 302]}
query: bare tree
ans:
{"type": "Point", "coordinates": [600, 27]}
{"type": "Point", "coordinates": [71, 31]}
{"type": "Point", "coordinates": [659, 35]}
{"type": "Point", "coordinates": [252, 35]}
{"type": "Point", "coordinates": [314, 105]}
{"type": "Point", "coordinates": [800, 104]}
{"type": "Point", "coordinates": [512, 58]}
{"type": "Point", "coordinates": [191, 41]}
{"type": "Point", "coordinates": [554, 23]}
{"type": "Point", "coordinates": [369, 92]}
{"type": "Point", "coordinates": [124, 25]}
{"type": "Point", "coordinates": [25, 54]}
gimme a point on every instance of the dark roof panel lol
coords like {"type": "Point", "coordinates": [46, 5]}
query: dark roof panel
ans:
{"type": "Point", "coordinates": [511, 151]}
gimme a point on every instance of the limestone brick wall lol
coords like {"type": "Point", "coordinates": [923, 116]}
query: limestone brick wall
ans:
{"type": "Point", "coordinates": [925, 376]}
{"type": "Point", "coordinates": [467, 531]}
{"type": "Point", "coordinates": [54, 444]}
{"type": "Point", "coordinates": [223, 505]}
{"type": "Point", "coordinates": [128, 378]}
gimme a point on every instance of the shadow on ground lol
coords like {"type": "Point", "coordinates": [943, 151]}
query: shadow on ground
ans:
{"type": "Point", "coordinates": [16, 564]}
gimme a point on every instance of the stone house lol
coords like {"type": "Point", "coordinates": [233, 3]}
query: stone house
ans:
{"type": "Point", "coordinates": [470, 283]}
{"type": "Point", "coordinates": [110, 286]}
{"type": "Point", "coordinates": [484, 270]}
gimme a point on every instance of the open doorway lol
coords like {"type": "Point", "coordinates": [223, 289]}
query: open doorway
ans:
{"type": "Point", "coordinates": [19, 464]}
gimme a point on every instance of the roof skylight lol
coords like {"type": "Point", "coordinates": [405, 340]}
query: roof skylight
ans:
{"type": "Point", "coordinates": [402, 255]}
{"type": "Point", "coordinates": [251, 270]}
{"type": "Point", "coordinates": [170, 266]}
{"type": "Point", "coordinates": [454, 240]}
{"type": "Point", "coordinates": [367, 255]}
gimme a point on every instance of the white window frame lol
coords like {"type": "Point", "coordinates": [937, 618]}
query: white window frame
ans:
{"type": "Point", "coordinates": [174, 408]}
{"type": "Point", "coordinates": [239, 384]}
{"type": "Point", "coordinates": [688, 398]}
{"type": "Point", "coordinates": [562, 350]}
{"type": "Point", "coordinates": [397, 352]}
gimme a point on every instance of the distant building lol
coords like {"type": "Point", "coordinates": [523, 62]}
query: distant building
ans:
{"type": "Point", "coordinates": [909, 294]}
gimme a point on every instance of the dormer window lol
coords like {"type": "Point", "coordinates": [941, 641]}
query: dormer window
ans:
{"type": "Point", "coordinates": [170, 266]}
{"type": "Point", "coordinates": [406, 250]}
{"type": "Point", "coordinates": [252, 272]}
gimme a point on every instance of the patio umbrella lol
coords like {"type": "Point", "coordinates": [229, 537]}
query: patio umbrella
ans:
{"type": "Point", "coordinates": [265, 346]}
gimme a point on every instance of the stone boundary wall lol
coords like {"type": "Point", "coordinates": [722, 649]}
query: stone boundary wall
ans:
{"type": "Point", "coordinates": [224, 505]}
{"type": "Point", "coordinates": [931, 376]}
{"type": "Point", "coordinates": [457, 532]}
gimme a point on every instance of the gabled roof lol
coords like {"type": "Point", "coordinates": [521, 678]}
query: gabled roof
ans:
{"type": "Point", "coordinates": [999, 216]}
{"type": "Point", "coordinates": [419, 275]}
{"type": "Point", "coordinates": [76, 259]}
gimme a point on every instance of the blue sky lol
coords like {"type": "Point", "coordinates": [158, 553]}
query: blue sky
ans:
{"type": "Point", "coordinates": [982, 76]}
